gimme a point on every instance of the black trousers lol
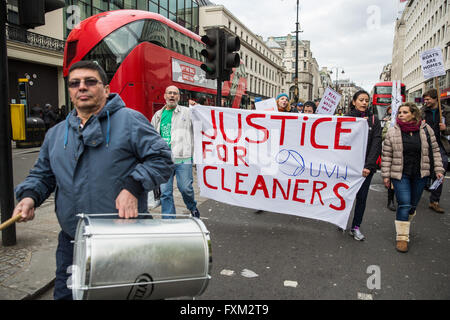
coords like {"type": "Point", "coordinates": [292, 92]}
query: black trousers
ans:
{"type": "Point", "coordinates": [64, 259]}
{"type": "Point", "coordinates": [435, 195]}
{"type": "Point", "coordinates": [361, 198]}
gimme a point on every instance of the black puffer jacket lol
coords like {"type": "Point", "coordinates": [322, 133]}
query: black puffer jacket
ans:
{"type": "Point", "coordinates": [374, 138]}
{"type": "Point", "coordinates": [433, 122]}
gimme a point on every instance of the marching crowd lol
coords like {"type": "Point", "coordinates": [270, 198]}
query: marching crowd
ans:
{"type": "Point", "coordinates": [103, 148]}
{"type": "Point", "coordinates": [412, 154]}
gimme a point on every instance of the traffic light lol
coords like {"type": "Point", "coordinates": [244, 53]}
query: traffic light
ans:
{"type": "Point", "coordinates": [231, 59]}
{"type": "Point", "coordinates": [211, 53]}
{"type": "Point", "coordinates": [32, 12]}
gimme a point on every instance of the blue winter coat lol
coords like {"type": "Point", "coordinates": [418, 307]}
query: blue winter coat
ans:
{"type": "Point", "coordinates": [87, 168]}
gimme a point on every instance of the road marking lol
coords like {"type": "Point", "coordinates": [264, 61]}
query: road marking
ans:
{"type": "Point", "coordinates": [289, 283]}
{"type": "Point", "coordinates": [365, 296]}
{"type": "Point", "coordinates": [226, 272]}
{"type": "Point", "coordinates": [248, 273]}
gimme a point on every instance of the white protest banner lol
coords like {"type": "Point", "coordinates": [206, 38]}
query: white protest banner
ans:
{"type": "Point", "coordinates": [396, 100]}
{"type": "Point", "coordinates": [305, 165]}
{"type": "Point", "coordinates": [266, 105]}
{"type": "Point", "coordinates": [329, 102]}
{"type": "Point", "coordinates": [432, 63]}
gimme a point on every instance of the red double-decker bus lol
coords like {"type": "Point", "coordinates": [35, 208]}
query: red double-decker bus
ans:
{"type": "Point", "coordinates": [382, 97]}
{"type": "Point", "coordinates": [143, 53]}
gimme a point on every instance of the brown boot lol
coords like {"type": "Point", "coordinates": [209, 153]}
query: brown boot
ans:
{"type": "Point", "coordinates": [402, 246]}
{"type": "Point", "coordinates": [435, 206]}
{"type": "Point", "coordinates": [402, 229]}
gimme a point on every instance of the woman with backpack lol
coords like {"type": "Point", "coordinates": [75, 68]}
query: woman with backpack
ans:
{"type": "Point", "coordinates": [359, 107]}
{"type": "Point", "coordinates": [410, 149]}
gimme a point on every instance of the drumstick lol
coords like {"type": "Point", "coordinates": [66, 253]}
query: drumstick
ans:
{"type": "Point", "coordinates": [10, 221]}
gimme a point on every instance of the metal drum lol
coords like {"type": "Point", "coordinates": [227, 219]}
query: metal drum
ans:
{"type": "Point", "coordinates": [127, 259]}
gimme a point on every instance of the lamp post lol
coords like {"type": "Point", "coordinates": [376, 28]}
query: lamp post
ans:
{"type": "Point", "coordinates": [296, 92]}
{"type": "Point", "coordinates": [337, 73]}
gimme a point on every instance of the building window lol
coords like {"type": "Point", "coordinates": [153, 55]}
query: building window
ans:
{"type": "Point", "coordinates": [12, 12]}
{"type": "Point", "coordinates": [153, 7]}
{"type": "Point", "coordinates": [116, 4]}
{"type": "Point", "coordinates": [142, 5]}
{"type": "Point", "coordinates": [100, 5]}
{"type": "Point", "coordinates": [195, 19]}
{"type": "Point", "coordinates": [129, 4]}
{"type": "Point", "coordinates": [173, 6]}
{"type": "Point", "coordinates": [188, 13]}
{"type": "Point", "coordinates": [181, 13]}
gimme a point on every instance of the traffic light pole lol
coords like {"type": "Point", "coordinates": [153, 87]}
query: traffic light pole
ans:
{"type": "Point", "coordinates": [6, 173]}
{"type": "Point", "coordinates": [219, 79]}
{"type": "Point", "coordinates": [219, 93]}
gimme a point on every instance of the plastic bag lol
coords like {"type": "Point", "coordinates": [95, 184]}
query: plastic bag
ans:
{"type": "Point", "coordinates": [153, 199]}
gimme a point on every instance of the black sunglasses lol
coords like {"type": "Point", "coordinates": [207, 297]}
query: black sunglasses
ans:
{"type": "Point", "coordinates": [88, 82]}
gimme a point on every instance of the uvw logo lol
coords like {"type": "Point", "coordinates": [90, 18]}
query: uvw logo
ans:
{"type": "Point", "coordinates": [143, 290]}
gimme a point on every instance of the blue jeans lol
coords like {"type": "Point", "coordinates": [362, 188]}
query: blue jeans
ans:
{"type": "Point", "coordinates": [183, 172]}
{"type": "Point", "coordinates": [64, 259]}
{"type": "Point", "coordinates": [408, 191]}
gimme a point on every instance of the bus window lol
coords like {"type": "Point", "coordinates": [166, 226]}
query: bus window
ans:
{"type": "Point", "coordinates": [110, 52]}
{"type": "Point", "coordinates": [384, 100]}
{"type": "Point", "coordinates": [185, 95]}
{"type": "Point", "coordinates": [383, 90]}
{"type": "Point", "coordinates": [155, 32]}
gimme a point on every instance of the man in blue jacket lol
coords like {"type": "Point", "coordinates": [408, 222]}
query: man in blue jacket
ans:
{"type": "Point", "coordinates": [103, 158]}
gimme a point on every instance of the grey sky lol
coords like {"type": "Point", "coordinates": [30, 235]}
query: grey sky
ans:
{"type": "Point", "coordinates": [356, 35]}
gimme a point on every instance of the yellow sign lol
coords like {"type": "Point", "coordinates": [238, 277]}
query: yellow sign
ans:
{"type": "Point", "coordinates": [18, 122]}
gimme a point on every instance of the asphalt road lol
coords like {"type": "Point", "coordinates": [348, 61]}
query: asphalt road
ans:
{"type": "Point", "coordinates": [326, 263]}
{"type": "Point", "coordinates": [284, 257]}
